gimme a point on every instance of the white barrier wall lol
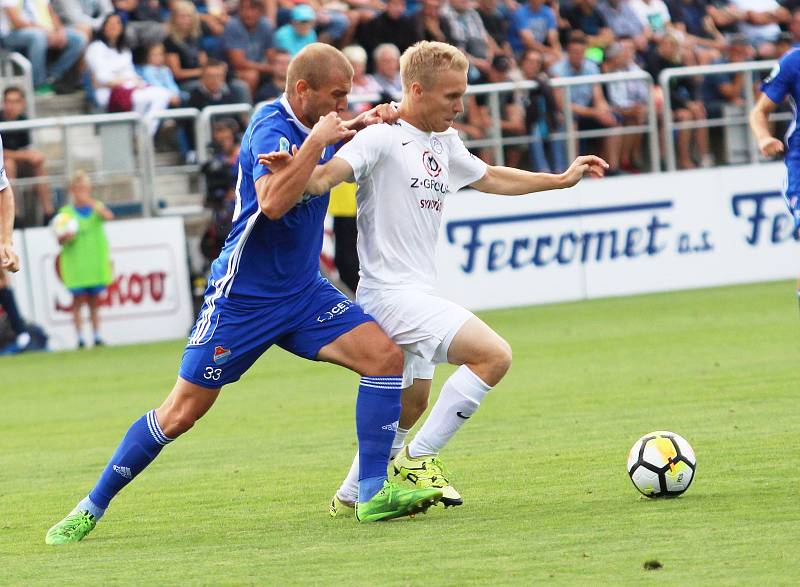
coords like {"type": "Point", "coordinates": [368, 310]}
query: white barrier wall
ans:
{"type": "Point", "coordinates": [617, 236]}
{"type": "Point", "coordinates": [148, 299]}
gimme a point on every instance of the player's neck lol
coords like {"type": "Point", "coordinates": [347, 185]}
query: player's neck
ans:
{"type": "Point", "coordinates": [414, 120]}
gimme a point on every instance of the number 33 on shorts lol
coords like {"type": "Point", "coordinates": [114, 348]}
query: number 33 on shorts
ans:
{"type": "Point", "coordinates": [212, 374]}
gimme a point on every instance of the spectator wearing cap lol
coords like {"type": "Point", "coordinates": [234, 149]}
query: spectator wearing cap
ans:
{"type": "Point", "coordinates": [390, 26]}
{"type": "Point", "coordinates": [248, 44]}
{"type": "Point", "coordinates": [299, 32]}
{"type": "Point", "coordinates": [534, 26]}
{"type": "Point", "coordinates": [588, 104]}
{"type": "Point", "coordinates": [387, 69]}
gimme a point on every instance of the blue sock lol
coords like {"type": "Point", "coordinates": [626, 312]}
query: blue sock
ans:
{"type": "Point", "coordinates": [142, 443]}
{"type": "Point", "coordinates": [377, 415]}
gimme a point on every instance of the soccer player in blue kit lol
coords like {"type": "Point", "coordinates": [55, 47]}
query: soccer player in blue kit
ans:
{"type": "Point", "coordinates": [265, 288]}
{"type": "Point", "coordinates": [783, 80]}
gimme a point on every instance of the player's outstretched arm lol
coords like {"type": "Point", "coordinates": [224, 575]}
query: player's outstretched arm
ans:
{"type": "Point", "coordinates": [759, 124]}
{"type": "Point", "coordinates": [506, 181]}
{"type": "Point", "coordinates": [322, 179]}
{"type": "Point", "coordinates": [279, 191]}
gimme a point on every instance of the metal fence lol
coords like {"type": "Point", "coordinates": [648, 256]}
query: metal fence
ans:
{"type": "Point", "coordinates": [749, 68]}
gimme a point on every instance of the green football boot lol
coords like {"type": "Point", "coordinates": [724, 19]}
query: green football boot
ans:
{"type": "Point", "coordinates": [72, 528]}
{"type": "Point", "coordinates": [341, 508]}
{"type": "Point", "coordinates": [426, 472]}
{"type": "Point", "coordinates": [396, 501]}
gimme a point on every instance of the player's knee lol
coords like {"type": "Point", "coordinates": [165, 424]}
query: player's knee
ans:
{"type": "Point", "coordinates": [500, 359]}
{"type": "Point", "coordinates": [387, 360]}
{"type": "Point", "coordinates": [177, 420]}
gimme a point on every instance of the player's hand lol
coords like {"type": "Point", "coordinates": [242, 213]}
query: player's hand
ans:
{"type": "Point", "coordinates": [770, 146]}
{"type": "Point", "coordinates": [9, 260]}
{"type": "Point", "coordinates": [330, 130]}
{"type": "Point", "coordinates": [381, 113]}
{"type": "Point", "coordinates": [277, 160]}
{"type": "Point", "coordinates": [583, 165]}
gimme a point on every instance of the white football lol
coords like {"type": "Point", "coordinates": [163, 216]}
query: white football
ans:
{"type": "Point", "coordinates": [64, 225]}
{"type": "Point", "coordinates": [662, 464]}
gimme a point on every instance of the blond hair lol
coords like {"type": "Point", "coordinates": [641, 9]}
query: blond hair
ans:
{"type": "Point", "coordinates": [316, 63]}
{"type": "Point", "coordinates": [79, 176]}
{"type": "Point", "coordinates": [172, 30]}
{"type": "Point", "coordinates": [424, 61]}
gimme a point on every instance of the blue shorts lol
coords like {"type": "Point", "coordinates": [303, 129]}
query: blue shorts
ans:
{"type": "Point", "coordinates": [231, 333]}
{"type": "Point", "coordinates": [95, 290]}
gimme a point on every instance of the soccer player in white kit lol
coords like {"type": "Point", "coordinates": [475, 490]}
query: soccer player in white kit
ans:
{"type": "Point", "coordinates": [404, 171]}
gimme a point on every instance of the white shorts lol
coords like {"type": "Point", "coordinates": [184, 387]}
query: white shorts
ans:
{"type": "Point", "coordinates": [422, 324]}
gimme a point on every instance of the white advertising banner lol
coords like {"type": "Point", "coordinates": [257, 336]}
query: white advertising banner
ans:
{"type": "Point", "coordinates": [617, 236]}
{"type": "Point", "coordinates": [148, 299]}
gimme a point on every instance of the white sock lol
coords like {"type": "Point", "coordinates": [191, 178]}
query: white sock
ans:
{"type": "Point", "coordinates": [349, 488]}
{"type": "Point", "coordinates": [461, 395]}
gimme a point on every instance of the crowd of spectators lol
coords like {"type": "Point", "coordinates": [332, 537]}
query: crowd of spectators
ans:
{"type": "Point", "coordinates": [143, 55]}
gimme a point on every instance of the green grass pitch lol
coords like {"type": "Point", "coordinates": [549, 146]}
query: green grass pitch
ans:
{"type": "Point", "coordinates": [242, 499]}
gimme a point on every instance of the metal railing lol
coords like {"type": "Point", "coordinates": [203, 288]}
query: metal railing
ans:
{"type": "Point", "coordinates": [670, 126]}
{"type": "Point", "coordinates": [141, 148]}
{"type": "Point", "coordinates": [202, 124]}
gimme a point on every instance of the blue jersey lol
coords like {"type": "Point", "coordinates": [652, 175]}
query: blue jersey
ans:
{"type": "Point", "coordinates": [783, 81]}
{"type": "Point", "coordinates": [265, 258]}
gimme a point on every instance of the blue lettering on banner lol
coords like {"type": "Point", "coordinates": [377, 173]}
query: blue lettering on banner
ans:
{"type": "Point", "coordinates": [543, 249]}
{"type": "Point", "coordinates": [780, 226]}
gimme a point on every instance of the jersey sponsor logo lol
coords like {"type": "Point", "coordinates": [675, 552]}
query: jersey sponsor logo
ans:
{"type": "Point", "coordinates": [337, 310]}
{"type": "Point", "coordinates": [462, 416]}
{"type": "Point", "coordinates": [436, 145]}
{"type": "Point", "coordinates": [124, 471]}
{"type": "Point", "coordinates": [429, 184]}
{"type": "Point", "coordinates": [221, 355]}
{"type": "Point", "coordinates": [430, 164]}
{"type": "Point", "coordinates": [404, 143]}
{"type": "Point", "coordinates": [431, 205]}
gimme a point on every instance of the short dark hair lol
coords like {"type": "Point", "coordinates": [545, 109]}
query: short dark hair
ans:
{"type": "Point", "coordinates": [12, 90]}
{"type": "Point", "coordinates": [576, 37]}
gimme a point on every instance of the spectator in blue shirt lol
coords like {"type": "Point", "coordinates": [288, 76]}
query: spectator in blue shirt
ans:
{"type": "Point", "coordinates": [299, 32]}
{"type": "Point", "coordinates": [247, 42]}
{"type": "Point", "coordinates": [534, 26]}
{"type": "Point", "coordinates": [588, 104]}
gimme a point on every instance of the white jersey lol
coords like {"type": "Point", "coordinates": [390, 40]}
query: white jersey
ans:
{"type": "Point", "coordinates": [403, 176]}
{"type": "Point", "coordinates": [3, 177]}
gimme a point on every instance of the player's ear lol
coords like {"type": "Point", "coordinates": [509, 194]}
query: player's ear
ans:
{"type": "Point", "coordinates": [301, 87]}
